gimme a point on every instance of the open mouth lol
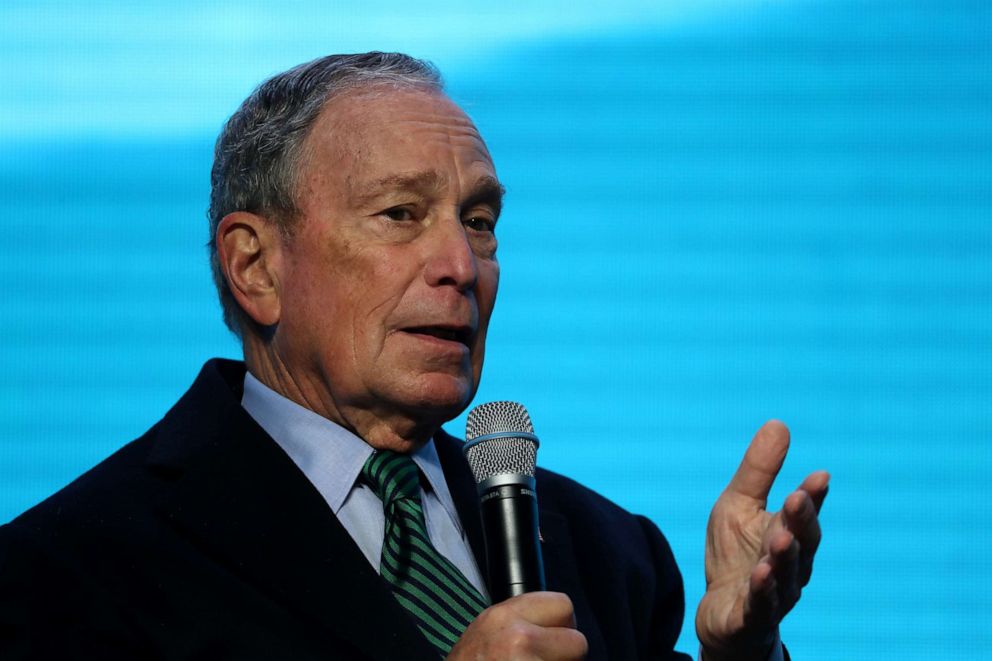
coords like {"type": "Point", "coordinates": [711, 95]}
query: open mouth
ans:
{"type": "Point", "coordinates": [461, 335]}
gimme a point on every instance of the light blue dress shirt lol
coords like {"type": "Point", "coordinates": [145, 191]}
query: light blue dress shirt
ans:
{"type": "Point", "coordinates": [332, 457]}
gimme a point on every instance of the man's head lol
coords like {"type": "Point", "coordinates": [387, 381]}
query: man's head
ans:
{"type": "Point", "coordinates": [353, 236]}
{"type": "Point", "coordinates": [259, 153]}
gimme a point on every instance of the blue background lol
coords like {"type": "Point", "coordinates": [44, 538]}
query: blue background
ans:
{"type": "Point", "coordinates": [719, 212]}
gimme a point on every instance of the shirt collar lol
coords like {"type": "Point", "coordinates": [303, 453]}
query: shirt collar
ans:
{"type": "Point", "coordinates": [329, 455]}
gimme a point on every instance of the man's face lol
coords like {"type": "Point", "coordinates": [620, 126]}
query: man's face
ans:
{"type": "Point", "coordinates": [390, 276]}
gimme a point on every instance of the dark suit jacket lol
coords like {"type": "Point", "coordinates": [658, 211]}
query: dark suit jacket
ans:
{"type": "Point", "coordinates": [202, 540]}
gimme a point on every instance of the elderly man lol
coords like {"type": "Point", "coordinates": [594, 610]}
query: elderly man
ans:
{"type": "Point", "coordinates": [306, 504]}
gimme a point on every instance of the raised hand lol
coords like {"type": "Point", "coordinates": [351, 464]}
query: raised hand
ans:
{"type": "Point", "coordinates": [757, 562]}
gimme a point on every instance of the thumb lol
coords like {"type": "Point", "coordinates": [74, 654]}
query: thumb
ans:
{"type": "Point", "coordinates": [761, 463]}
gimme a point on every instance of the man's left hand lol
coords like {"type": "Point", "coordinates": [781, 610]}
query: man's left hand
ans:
{"type": "Point", "coordinates": [757, 562]}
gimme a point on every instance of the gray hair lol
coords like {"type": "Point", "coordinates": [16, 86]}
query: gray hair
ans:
{"type": "Point", "coordinates": [259, 152]}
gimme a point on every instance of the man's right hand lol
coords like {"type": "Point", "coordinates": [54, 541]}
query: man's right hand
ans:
{"type": "Point", "coordinates": [534, 626]}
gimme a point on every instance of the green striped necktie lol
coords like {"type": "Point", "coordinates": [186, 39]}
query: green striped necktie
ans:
{"type": "Point", "coordinates": [437, 595]}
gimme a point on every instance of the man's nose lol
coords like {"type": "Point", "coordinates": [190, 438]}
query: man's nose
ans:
{"type": "Point", "coordinates": [451, 260]}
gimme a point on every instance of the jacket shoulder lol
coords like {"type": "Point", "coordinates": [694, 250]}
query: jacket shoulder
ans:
{"type": "Point", "coordinates": [622, 562]}
{"type": "Point", "coordinates": [114, 498]}
{"type": "Point", "coordinates": [585, 508]}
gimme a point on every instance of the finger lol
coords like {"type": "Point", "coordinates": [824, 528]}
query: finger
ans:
{"type": "Point", "coordinates": [517, 629]}
{"type": "Point", "coordinates": [561, 644]}
{"type": "Point", "coordinates": [785, 566]}
{"type": "Point", "coordinates": [762, 462]}
{"type": "Point", "coordinates": [817, 485]}
{"type": "Point", "coordinates": [545, 609]}
{"type": "Point", "coordinates": [762, 598]}
{"type": "Point", "coordinates": [801, 520]}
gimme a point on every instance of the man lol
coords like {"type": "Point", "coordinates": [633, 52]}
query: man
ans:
{"type": "Point", "coordinates": [353, 219]}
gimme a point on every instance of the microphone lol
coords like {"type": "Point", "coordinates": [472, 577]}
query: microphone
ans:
{"type": "Point", "coordinates": [501, 450]}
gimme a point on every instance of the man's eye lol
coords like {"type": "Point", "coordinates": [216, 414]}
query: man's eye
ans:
{"type": "Point", "coordinates": [398, 213]}
{"type": "Point", "coordinates": [480, 224]}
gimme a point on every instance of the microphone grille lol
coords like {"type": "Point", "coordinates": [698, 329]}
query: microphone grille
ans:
{"type": "Point", "coordinates": [499, 439]}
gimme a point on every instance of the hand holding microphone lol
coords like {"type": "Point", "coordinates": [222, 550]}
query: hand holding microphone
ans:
{"type": "Point", "coordinates": [526, 622]}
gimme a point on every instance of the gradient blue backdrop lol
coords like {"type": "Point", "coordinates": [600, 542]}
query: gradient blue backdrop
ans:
{"type": "Point", "coordinates": [718, 212]}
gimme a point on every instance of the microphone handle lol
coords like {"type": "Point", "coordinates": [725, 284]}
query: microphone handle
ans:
{"type": "Point", "coordinates": [513, 547]}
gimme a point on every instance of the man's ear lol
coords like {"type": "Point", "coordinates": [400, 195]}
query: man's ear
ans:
{"type": "Point", "coordinates": [249, 250]}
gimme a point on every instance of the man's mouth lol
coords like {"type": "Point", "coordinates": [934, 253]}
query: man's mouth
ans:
{"type": "Point", "coordinates": [461, 334]}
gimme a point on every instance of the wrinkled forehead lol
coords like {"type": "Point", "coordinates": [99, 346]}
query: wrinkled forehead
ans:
{"type": "Point", "coordinates": [386, 126]}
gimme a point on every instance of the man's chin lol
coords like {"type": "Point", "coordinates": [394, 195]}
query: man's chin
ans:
{"type": "Point", "coordinates": [441, 397]}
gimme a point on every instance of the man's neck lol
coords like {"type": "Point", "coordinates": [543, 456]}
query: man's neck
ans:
{"type": "Point", "coordinates": [382, 429]}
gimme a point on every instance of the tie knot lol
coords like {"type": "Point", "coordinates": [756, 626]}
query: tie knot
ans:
{"type": "Point", "coordinates": [393, 476]}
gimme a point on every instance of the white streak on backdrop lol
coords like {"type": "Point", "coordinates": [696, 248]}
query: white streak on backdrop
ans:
{"type": "Point", "coordinates": [112, 69]}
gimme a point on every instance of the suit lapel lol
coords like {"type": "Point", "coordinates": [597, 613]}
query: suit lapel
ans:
{"type": "Point", "coordinates": [246, 504]}
{"type": "Point", "coordinates": [562, 574]}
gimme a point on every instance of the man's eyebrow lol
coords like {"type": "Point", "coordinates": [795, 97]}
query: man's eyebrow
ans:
{"type": "Point", "coordinates": [427, 181]}
{"type": "Point", "coordinates": [487, 190]}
